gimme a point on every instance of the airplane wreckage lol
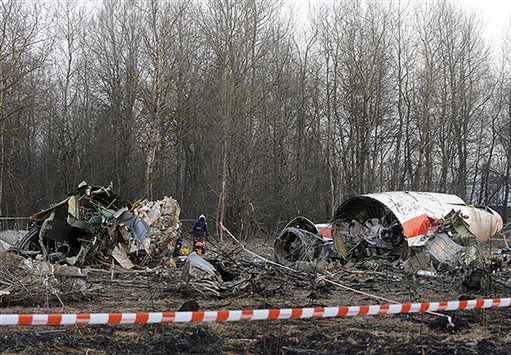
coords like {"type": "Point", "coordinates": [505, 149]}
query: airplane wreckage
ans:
{"type": "Point", "coordinates": [94, 224]}
{"type": "Point", "coordinates": [425, 233]}
{"type": "Point", "coordinates": [429, 232]}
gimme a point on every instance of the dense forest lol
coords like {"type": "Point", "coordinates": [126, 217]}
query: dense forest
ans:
{"type": "Point", "coordinates": [247, 112]}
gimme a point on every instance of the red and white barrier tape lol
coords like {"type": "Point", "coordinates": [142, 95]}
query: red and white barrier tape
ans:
{"type": "Point", "coordinates": [246, 315]}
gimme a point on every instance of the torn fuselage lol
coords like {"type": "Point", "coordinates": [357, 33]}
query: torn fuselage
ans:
{"type": "Point", "coordinates": [402, 224]}
{"type": "Point", "coordinates": [415, 212]}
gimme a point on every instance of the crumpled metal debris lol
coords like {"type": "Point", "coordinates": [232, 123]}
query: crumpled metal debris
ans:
{"type": "Point", "coordinates": [96, 225]}
{"type": "Point", "coordinates": [81, 228]}
{"type": "Point", "coordinates": [120, 255]}
{"type": "Point", "coordinates": [444, 249]}
{"type": "Point", "coordinates": [200, 277]}
{"type": "Point", "coordinates": [419, 262]}
{"type": "Point", "coordinates": [300, 240]}
{"type": "Point", "coordinates": [415, 212]}
{"type": "Point", "coordinates": [162, 216]}
{"type": "Point", "coordinates": [4, 246]}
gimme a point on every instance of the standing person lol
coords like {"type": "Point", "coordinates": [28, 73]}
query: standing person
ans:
{"type": "Point", "coordinates": [200, 231]}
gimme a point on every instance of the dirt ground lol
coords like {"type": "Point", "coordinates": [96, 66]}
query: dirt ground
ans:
{"type": "Point", "coordinates": [476, 331]}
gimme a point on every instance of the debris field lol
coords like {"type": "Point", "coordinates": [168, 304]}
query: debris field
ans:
{"type": "Point", "coordinates": [95, 253]}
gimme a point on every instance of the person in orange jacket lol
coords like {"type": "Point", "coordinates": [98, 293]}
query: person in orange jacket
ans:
{"type": "Point", "coordinates": [200, 232]}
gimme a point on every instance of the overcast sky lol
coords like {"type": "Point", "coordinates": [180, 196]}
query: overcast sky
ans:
{"type": "Point", "coordinates": [495, 15]}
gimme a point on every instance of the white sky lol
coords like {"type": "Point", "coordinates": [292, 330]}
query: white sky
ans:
{"type": "Point", "coordinates": [495, 15]}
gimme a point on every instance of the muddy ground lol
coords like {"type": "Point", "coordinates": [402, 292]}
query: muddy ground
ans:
{"type": "Point", "coordinates": [477, 331]}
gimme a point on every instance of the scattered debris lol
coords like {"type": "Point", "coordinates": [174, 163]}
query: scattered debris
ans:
{"type": "Point", "coordinates": [94, 224]}
{"type": "Point", "coordinates": [94, 245]}
{"type": "Point", "coordinates": [24, 281]}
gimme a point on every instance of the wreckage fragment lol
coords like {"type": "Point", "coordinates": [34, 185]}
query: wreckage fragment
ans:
{"type": "Point", "coordinates": [120, 255]}
{"type": "Point", "coordinates": [8, 238]}
{"type": "Point", "coordinates": [162, 217]}
{"type": "Point", "coordinates": [201, 278]}
{"type": "Point", "coordinates": [407, 216]}
{"type": "Point", "coordinates": [86, 225]}
{"type": "Point", "coordinates": [94, 224]}
{"type": "Point", "coordinates": [427, 230]}
{"type": "Point", "coordinates": [415, 212]}
{"type": "Point", "coordinates": [300, 240]}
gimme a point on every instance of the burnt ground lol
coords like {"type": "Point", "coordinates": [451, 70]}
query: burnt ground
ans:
{"type": "Point", "coordinates": [476, 331]}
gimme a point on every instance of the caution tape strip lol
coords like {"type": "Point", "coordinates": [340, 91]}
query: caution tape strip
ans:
{"type": "Point", "coordinates": [246, 315]}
